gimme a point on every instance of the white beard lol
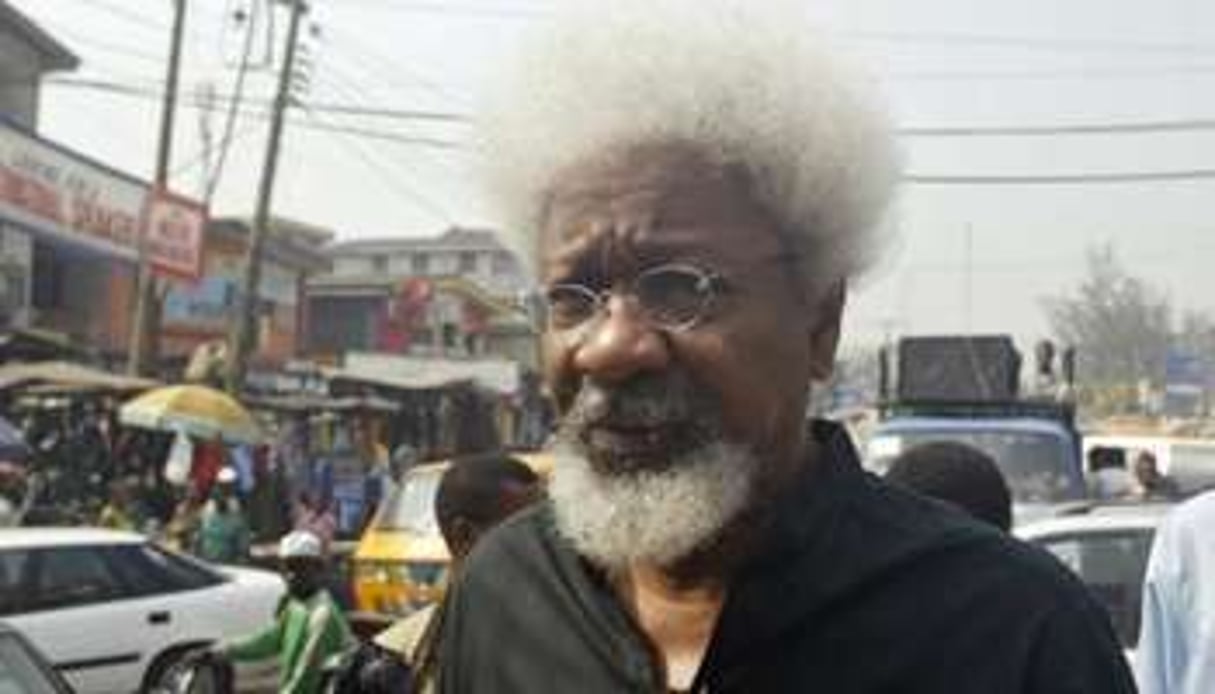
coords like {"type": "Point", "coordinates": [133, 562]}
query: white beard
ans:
{"type": "Point", "coordinates": [656, 518]}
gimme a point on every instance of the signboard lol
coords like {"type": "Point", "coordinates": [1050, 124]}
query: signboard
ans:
{"type": "Point", "coordinates": [53, 192]}
{"type": "Point", "coordinates": [69, 197]}
{"type": "Point", "coordinates": [175, 228]}
{"type": "Point", "coordinates": [210, 302]}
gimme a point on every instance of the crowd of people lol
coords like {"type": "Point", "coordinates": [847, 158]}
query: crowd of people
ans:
{"type": "Point", "coordinates": [214, 498]}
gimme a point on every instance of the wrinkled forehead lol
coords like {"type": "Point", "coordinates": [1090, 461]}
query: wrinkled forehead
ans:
{"type": "Point", "coordinates": [658, 200]}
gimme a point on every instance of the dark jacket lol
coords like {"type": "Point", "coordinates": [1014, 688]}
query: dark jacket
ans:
{"type": "Point", "coordinates": [860, 587]}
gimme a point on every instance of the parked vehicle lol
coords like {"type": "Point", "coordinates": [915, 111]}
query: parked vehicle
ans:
{"type": "Point", "coordinates": [1107, 546]}
{"type": "Point", "coordinates": [112, 611]}
{"type": "Point", "coordinates": [966, 389]}
{"type": "Point", "coordinates": [401, 561]}
{"type": "Point", "coordinates": [23, 670]}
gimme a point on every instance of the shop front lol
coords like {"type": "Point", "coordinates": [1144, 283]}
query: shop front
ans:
{"type": "Point", "coordinates": [70, 229]}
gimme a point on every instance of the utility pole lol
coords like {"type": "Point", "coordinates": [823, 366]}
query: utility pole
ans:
{"type": "Point", "coordinates": [247, 300]}
{"type": "Point", "coordinates": [143, 332]}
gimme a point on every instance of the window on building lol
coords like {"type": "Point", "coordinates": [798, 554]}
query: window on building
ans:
{"type": "Point", "coordinates": [49, 279]}
{"type": "Point", "coordinates": [379, 264]}
{"type": "Point", "coordinates": [468, 261]}
{"type": "Point", "coordinates": [420, 263]}
{"type": "Point", "coordinates": [503, 264]}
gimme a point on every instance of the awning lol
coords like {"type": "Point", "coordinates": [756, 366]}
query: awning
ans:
{"type": "Point", "coordinates": [62, 376]}
{"type": "Point", "coordinates": [321, 403]}
{"type": "Point", "coordinates": [424, 373]}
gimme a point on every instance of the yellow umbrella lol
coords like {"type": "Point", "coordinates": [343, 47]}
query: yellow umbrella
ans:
{"type": "Point", "coordinates": [196, 410]}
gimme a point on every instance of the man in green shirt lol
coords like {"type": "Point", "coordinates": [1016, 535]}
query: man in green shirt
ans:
{"type": "Point", "coordinates": [309, 628]}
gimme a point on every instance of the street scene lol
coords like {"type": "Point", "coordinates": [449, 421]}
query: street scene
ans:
{"type": "Point", "coordinates": [675, 346]}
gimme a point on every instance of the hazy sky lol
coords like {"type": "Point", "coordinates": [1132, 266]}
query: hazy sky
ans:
{"type": "Point", "coordinates": [945, 63]}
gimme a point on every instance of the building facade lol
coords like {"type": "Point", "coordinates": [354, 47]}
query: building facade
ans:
{"type": "Point", "coordinates": [203, 312]}
{"type": "Point", "coordinates": [27, 53]}
{"type": "Point", "coordinates": [453, 295]}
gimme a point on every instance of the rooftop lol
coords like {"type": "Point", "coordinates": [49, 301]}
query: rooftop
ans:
{"type": "Point", "coordinates": [455, 238]}
{"type": "Point", "coordinates": [55, 56]}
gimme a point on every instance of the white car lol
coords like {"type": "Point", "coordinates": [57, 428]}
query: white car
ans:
{"type": "Point", "coordinates": [1107, 546]}
{"type": "Point", "coordinates": [112, 611]}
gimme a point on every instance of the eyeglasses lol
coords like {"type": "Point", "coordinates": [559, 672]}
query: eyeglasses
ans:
{"type": "Point", "coordinates": [673, 297]}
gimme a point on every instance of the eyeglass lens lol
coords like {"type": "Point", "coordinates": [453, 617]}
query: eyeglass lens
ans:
{"type": "Point", "coordinates": [669, 297]}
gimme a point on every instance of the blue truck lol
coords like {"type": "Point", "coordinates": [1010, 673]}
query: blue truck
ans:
{"type": "Point", "coordinates": [967, 389]}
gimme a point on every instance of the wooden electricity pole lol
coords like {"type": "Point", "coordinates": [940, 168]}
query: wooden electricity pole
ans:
{"type": "Point", "coordinates": [247, 299]}
{"type": "Point", "coordinates": [144, 331]}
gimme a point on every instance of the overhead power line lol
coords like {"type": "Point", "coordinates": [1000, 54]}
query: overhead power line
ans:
{"type": "Point", "coordinates": [1123, 177]}
{"type": "Point", "coordinates": [1141, 127]}
{"type": "Point", "coordinates": [128, 15]}
{"type": "Point", "coordinates": [1053, 74]}
{"type": "Point", "coordinates": [263, 114]}
{"type": "Point", "coordinates": [108, 47]}
{"type": "Point", "coordinates": [387, 176]}
{"type": "Point", "coordinates": [1127, 128]}
{"type": "Point", "coordinates": [344, 109]}
{"type": "Point", "coordinates": [234, 104]}
{"type": "Point", "coordinates": [453, 9]}
{"type": "Point", "coordinates": [1062, 179]}
{"type": "Point", "coordinates": [386, 69]}
{"type": "Point", "coordinates": [384, 136]}
{"type": "Point", "coordinates": [1048, 43]}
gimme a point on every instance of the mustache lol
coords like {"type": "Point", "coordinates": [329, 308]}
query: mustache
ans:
{"type": "Point", "coordinates": [643, 401]}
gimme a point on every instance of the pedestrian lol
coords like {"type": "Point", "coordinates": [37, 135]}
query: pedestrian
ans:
{"type": "Point", "coordinates": [960, 475]}
{"type": "Point", "coordinates": [1150, 484]}
{"type": "Point", "coordinates": [1108, 478]}
{"type": "Point", "coordinates": [116, 513]}
{"type": "Point", "coordinates": [475, 494]}
{"type": "Point", "coordinates": [1176, 650]}
{"type": "Point", "coordinates": [223, 536]}
{"type": "Point", "coordinates": [309, 629]}
{"type": "Point", "coordinates": [315, 514]}
{"type": "Point", "coordinates": [697, 185]}
{"type": "Point", "coordinates": [181, 533]}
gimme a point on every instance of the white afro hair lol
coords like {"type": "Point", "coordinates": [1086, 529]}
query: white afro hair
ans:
{"type": "Point", "coordinates": [742, 80]}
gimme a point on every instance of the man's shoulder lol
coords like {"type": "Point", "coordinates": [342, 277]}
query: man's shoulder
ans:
{"type": "Point", "coordinates": [1198, 512]}
{"type": "Point", "coordinates": [1180, 539]}
{"type": "Point", "coordinates": [929, 538]}
{"type": "Point", "coordinates": [526, 541]}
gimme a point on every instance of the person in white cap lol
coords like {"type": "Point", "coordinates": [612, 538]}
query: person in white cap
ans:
{"type": "Point", "coordinates": [309, 628]}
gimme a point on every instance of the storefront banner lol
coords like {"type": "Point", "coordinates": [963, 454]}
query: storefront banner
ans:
{"type": "Point", "coordinates": [175, 228]}
{"type": "Point", "coordinates": [67, 196]}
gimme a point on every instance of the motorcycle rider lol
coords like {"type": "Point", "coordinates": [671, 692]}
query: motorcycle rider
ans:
{"type": "Point", "coordinates": [309, 628]}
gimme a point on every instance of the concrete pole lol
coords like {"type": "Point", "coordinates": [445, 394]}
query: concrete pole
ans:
{"type": "Point", "coordinates": [142, 348]}
{"type": "Point", "coordinates": [241, 343]}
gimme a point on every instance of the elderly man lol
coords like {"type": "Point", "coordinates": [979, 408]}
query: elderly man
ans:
{"type": "Point", "coordinates": [701, 185]}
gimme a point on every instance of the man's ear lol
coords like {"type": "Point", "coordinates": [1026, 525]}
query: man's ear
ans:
{"type": "Point", "coordinates": [461, 536]}
{"type": "Point", "coordinates": [825, 331]}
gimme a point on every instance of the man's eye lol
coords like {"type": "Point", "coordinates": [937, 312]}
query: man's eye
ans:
{"type": "Point", "coordinates": [674, 296]}
{"type": "Point", "coordinates": [569, 305]}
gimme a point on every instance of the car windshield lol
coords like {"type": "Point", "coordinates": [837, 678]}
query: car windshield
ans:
{"type": "Point", "coordinates": [19, 674]}
{"type": "Point", "coordinates": [411, 506]}
{"type": "Point", "coordinates": [1034, 463]}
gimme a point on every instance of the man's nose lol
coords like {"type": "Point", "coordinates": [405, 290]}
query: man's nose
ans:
{"type": "Point", "coordinates": [621, 344]}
